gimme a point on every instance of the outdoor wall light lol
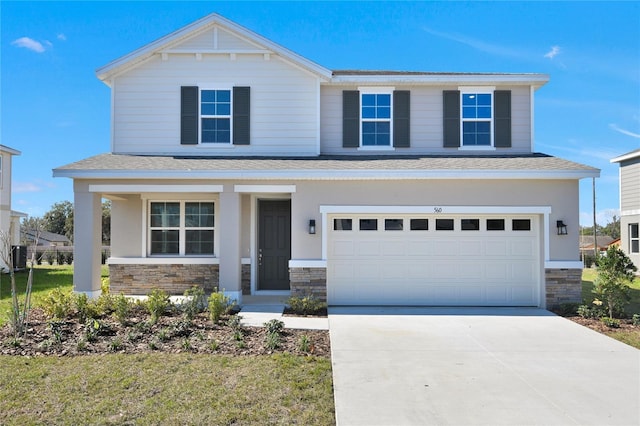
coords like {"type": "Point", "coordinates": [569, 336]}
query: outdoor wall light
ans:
{"type": "Point", "coordinates": [312, 226]}
{"type": "Point", "coordinates": [562, 228]}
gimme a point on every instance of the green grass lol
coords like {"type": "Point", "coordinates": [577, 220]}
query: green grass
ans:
{"type": "Point", "coordinates": [45, 278]}
{"type": "Point", "coordinates": [589, 275]}
{"type": "Point", "coordinates": [166, 389]}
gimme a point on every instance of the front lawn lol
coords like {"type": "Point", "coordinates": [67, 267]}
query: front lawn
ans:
{"type": "Point", "coordinates": [162, 388]}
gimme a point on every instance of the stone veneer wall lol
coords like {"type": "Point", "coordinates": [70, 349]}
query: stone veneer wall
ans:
{"type": "Point", "coordinates": [306, 281]}
{"type": "Point", "coordinates": [563, 286]}
{"type": "Point", "coordinates": [174, 279]}
{"type": "Point", "coordinates": [246, 279]}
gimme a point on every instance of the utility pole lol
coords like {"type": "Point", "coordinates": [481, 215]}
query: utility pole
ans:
{"type": "Point", "coordinates": [595, 229]}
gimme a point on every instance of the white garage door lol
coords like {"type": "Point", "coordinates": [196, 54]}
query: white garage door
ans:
{"type": "Point", "coordinates": [454, 260]}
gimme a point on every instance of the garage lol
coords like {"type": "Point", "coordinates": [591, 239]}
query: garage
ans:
{"type": "Point", "coordinates": [433, 260]}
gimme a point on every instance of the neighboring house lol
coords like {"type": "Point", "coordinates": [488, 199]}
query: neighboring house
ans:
{"type": "Point", "coordinates": [587, 244]}
{"type": "Point", "coordinates": [238, 164]}
{"type": "Point", "coordinates": [630, 204]}
{"type": "Point", "coordinates": [9, 219]}
{"type": "Point", "coordinates": [45, 238]}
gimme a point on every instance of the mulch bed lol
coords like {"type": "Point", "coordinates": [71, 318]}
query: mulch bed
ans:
{"type": "Point", "coordinates": [171, 334]}
{"type": "Point", "coordinates": [600, 327]}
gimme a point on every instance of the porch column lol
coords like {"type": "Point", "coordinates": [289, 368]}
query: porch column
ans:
{"type": "Point", "coordinates": [87, 241]}
{"type": "Point", "coordinates": [228, 225]}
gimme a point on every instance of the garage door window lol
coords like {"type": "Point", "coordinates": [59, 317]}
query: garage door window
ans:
{"type": "Point", "coordinates": [419, 224]}
{"type": "Point", "coordinates": [342, 225]}
{"type": "Point", "coordinates": [368, 224]}
{"type": "Point", "coordinates": [444, 224]}
{"type": "Point", "coordinates": [521, 225]}
{"type": "Point", "coordinates": [495, 224]}
{"type": "Point", "coordinates": [393, 224]}
{"type": "Point", "coordinates": [470, 224]}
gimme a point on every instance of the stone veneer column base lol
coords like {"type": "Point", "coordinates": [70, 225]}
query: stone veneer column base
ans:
{"type": "Point", "coordinates": [245, 274]}
{"type": "Point", "coordinates": [563, 286]}
{"type": "Point", "coordinates": [140, 279]}
{"type": "Point", "coordinates": [308, 281]}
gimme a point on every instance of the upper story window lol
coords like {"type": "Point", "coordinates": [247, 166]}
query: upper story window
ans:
{"type": "Point", "coordinates": [376, 119]}
{"type": "Point", "coordinates": [634, 238]}
{"type": "Point", "coordinates": [215, 116]}
{"type": "Point", "coordinates": [477, 119]}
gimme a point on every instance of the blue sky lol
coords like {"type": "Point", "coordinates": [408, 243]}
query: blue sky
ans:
{"type": "Point", "coordinates": [55, 110]}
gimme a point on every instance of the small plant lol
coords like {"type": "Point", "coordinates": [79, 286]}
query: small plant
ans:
{"type": "Point", "coordinates": [157, 303]}
{"type": "Point", "coordinates": [57, 304]}
{"type": "Point", "coordinates": [566, 309]}
{"type": "Point", "coordinates": [182, 328]}
{"type": "Point", "coordinates": [219, 304]}
{"type": "Point", "coordinates": [186, 344]}
{"type": "Point", "coordinates": [57, 331]}
{"type": "Point", "coordinates": [133, 336]}
{"type": "Point", "coordinates": [81, 302]}
{"type": "Point", "coordinates": [163, 335]}
{"type": "Point", "coordinates": [274, 326]}
{"type": "Point", "coordinates": [153, 345]}
{"type": "Point", "coordinates": [235, 322]}
{"type": "Point", "coordinates": [122, 308]}
{"type": "Point", "coordinates": [241, 344]}
{"type": "Point", "coordinates": [610, 322]}
{"type": "Point", "coordinates": [194, 302]}
{"type": "Point", "coordinates": [615, 271]}
{"type": "Point", "coordinates": [307, 305]}
{"type": "Point", "coordinates": [93, 328]}
{"type": "Point", "coordinates": [304, 344]}
{"type": "Point", "coordinates": [214, 345]}
{"type": "Point", "coordinates": [635, 320]}
{"type": "Point", "coordinates": [272, 341]}
{"type": "Point", "coordinates": [81, 346]}
{"type": "Point", "coordinates": [595, 311]}
{"type": "Point", "coordinates": [116, 344]}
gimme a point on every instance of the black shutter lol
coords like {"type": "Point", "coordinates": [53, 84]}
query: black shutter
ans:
{"type": "Point", "coordinates": [241, 115]}
{"type": "Point", "coordinates": [350, 119]}
{"type": "Point", "coordinates": [502, 118]}
{"type": "Point", "coordinates": [189, 115]}
{"type": "Point", "coordinates": [401, 115]}
{"type": "Point", "coordinates": [451, 114]}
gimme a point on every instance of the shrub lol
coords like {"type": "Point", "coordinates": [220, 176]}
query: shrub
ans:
{"type": "Point", "coordinates": [49, 257]}
{"type": "Point", "coordinates": [307, 305]}
{"type": "Point", "coordinates": [122, 308]}
{"type": "Point", "coordinates": [219, 304]}
{"type": "Point", "coordinates": [272, 341]}
{"type": "Point", "coordinates": [85, 308]}
{"type": "Point", "coordinates": [635, 320]}
{"type": "Point", "coordinates": [157, 303]}
{"type": "Point", "coordinates": [68, 258]}
{"type": "Point", "coordinates": [304, 344]}
{"type": "Point", "coordinates": [57, 304]}
{"type": "Point", "coordinates": [274, 326]}
{"type": "Point", "coordinates": [589, 260]}
{"type": "Point", "coordinates": [116, 344]}
{"type": "Point", "coordinates": [57, 330]}
{"type": "Point", "coordinates": [566, 309]}
{"type": "Point", "coordinates": [194, 302]}
{"type": "Point", "coordinates": [60, 258]}
{"type": "Point", "coordinates": [615, 270]}
{"type": "Point", "coordinates": [610, 322]}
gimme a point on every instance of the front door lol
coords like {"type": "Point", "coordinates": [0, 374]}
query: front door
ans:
{"type": "Point", "coordinates": [274, 244]}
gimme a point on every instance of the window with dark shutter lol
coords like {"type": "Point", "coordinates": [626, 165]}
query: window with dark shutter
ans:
{"type": "Point", "coordinates": [241, 115]}
{"type": "Point", "coordinates": [350, 119]}
{"type": "Point", "coordinates": [502, 118]}
{"type": "Point", "coordinates": [401, 116]}
{"type": "Point", "coordinates": [189, 115]}
{"type": "Point", "coordinates": [451, 122]}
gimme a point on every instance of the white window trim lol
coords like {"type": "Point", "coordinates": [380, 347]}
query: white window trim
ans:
{"type": "Point", "coordinates": [377, 91]}
{"type": "Point", "coordinates": [201, 116]}
{"type": "Point", "coordinates": [146, 228]}
{"type": "Point", "coordinates": [481, 90]}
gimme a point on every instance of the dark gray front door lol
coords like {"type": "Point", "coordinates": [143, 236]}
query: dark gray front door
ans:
{"type": "Point", "coordinates": [274, 244]}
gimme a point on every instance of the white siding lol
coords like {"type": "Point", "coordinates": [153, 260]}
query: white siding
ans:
{"type": "Point", "coordinates": [426, 121]}
{"type": "Point", "coordinates": [630, 185]}
{"type": "Point", "coordinates": [283, 104]}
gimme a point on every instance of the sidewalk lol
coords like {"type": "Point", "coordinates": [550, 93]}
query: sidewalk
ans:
{"type": "Point", "coordinates": [256, 315]}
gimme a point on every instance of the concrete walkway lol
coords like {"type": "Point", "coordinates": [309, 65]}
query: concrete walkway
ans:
{"type": "Point", "coordinates": [257, 314]}
{"type": "Point", "coordinates": [478, 366]}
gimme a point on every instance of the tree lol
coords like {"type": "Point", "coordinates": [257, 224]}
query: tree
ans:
{"type": "Point", "coordinates": [106, 222]}
{"type": "Point", "coordinates": [59, 219]}
{"type": "Point", "coordinates": [615, 271]}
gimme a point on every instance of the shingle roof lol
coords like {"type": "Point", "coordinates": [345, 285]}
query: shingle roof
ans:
{"type": "Point", "coordinates": [120, 165]}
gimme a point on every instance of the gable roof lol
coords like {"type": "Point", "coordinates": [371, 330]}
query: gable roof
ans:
{"type": "Point", "coordinates": [46, 236]}
{"type": "Point", "coordinates": [4, 148]}
{"type": "Point", "coordinates": [158, 46]}
{"type": "Point", "coordinates": [526, 166]}
{"type": "Point", "coordinates": [586, 241]}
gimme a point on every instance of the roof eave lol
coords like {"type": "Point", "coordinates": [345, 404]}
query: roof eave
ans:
{"type": "Point", "coordinates": [628, 156]}
{"type": "Point", "coordinates": [4, 148]}
{"type": "Point", "coordinates": [536, 80]}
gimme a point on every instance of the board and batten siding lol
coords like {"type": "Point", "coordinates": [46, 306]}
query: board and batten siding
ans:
{"type": "Point", "coordinates": [426, 127]}
{"type": "Point", "coordinates": [284, 105]}
{"type": "Point", "coordinates": [630, 185]}
{"type": "Point", "coordinates": [224, 39]}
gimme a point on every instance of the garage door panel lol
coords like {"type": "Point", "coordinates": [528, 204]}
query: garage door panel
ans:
{"type": "Point", "coordinates": [429, 267]}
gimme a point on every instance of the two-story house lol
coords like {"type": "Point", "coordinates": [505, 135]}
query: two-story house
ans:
{"type": "Point", "coordinates": [630, 204]}
{"type": "Point", "coordinates": [9, 219]}
{"type": "Point", "coordinates": [238, 164]}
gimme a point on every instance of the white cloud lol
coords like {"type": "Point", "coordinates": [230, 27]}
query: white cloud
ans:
{"type": "Point", "coordinates": [29, 43]}
{"type": "Point", "coordinates": [477, 44]}
{"type": "Point", "coordinates": [62, 37]}
{"type": "Point", "coordinates": [22, 187]}
{"type": "Point", "coordinates": [615, 127]}
{"type": "Point", "coordinates": [555, 51]}
{"type": "Point", "coordinates": [603, 217]}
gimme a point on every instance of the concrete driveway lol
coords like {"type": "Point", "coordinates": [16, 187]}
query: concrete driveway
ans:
{"type": "Point", "coordinates": [475, 366]}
